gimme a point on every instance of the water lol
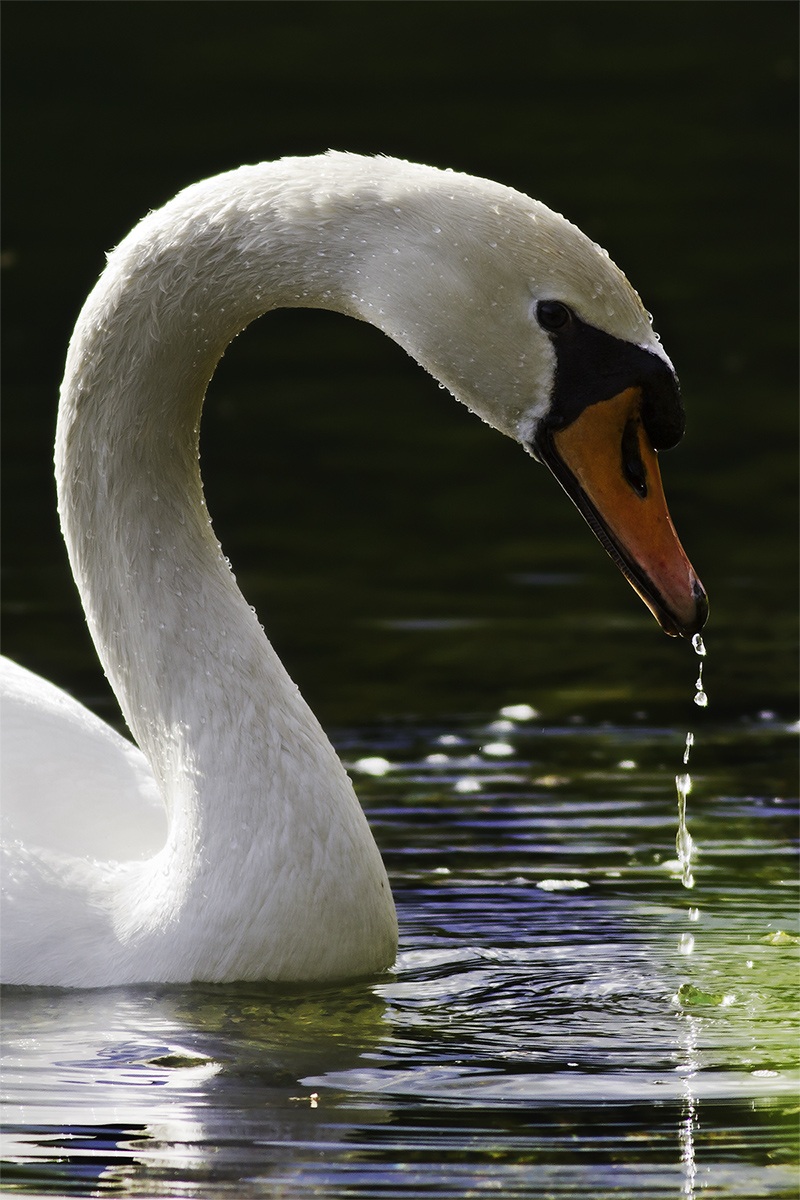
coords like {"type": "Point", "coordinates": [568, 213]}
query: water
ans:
{"type": "Point", "coordinates": [548, 1028]}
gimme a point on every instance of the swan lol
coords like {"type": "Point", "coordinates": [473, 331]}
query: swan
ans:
{"type": "Point", "coordinates": [228, 844]}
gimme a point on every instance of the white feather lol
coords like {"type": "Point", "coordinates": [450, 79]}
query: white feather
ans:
{"type": "Point", "coordinates": [232, 846]}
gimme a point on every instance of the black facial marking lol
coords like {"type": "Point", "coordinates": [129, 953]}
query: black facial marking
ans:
{"type": "Point", "coordinates": [592, 366]}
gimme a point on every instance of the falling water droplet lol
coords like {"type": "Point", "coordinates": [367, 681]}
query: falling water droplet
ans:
{"type": "Point", "coordinates": [700, 696]}
{"type": "Point", "coordinates": [683, 842]}
{"type": "Point", "coordinates": [689, 744]}
{"type": "Point", "coordinates": [683, 781]}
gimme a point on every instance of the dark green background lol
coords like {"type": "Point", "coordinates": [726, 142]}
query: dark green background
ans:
{"type": "Point", "coordinates": [404, 558]}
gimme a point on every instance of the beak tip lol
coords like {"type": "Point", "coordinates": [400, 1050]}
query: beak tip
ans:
{"type": "Point", "coordinates": [687, 624]}
{"type": "Point", "coordinates": [700, 615]}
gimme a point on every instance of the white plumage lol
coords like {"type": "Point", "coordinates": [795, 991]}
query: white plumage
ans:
{"type": "Point", "coordinates": [232, 846]}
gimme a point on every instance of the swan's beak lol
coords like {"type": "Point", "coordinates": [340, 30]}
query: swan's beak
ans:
{"type": "Point", "coordinates": [606, 464]}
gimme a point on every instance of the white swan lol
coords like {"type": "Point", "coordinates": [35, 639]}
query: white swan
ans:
{"type": "Point", "coordinates": [232, 845]}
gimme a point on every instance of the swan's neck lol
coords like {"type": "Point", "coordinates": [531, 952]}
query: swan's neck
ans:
{"type": "Point", "coordinates": [181, 647]}
{"type": "Point", "coordinates": [254, 791]}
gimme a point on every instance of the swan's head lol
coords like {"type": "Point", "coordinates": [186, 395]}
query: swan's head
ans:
{"type": "Point", "coordinates": [613, 404]}
{"type": "Point", "coordinates": [531, 324]}
{"type": "Point", "coordinates": [509, 305]}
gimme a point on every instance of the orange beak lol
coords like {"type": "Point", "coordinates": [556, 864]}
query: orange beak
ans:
{"type": "Point", "coordinates": [606, 464]}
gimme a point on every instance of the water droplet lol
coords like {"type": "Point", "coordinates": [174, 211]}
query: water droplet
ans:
{"type": "Point", "coordinates": [684, 783]}
{"type": "Point", "coordinates": [689, 744]}
{"type": "Point", "coordinates": [683, 842]}
{"type": "Point", "coordinates": [699, 645]}
{"type": "Point", "coordinates": [701, 698]}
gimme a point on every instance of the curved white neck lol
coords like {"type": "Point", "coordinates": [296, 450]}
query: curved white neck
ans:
{"type": "Point", "coordinates": [240, 759]}
{"type": "Point", "coordinates": [269, 870]}
{"type": "Point", "coordinates": [375, 239]}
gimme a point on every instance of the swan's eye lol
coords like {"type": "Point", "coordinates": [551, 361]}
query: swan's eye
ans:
{"type": "Point", "coordinates": [552, 315]}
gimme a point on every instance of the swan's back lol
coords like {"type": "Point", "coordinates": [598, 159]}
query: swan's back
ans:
{"type": "Point", "coordinates": [69, 783]}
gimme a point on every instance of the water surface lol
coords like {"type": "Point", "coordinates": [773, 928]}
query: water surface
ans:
{"type": "Point", "coordinates": [565, 1017]}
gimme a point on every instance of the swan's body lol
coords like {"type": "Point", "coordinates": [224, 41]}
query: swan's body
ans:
{"type": "Point", "coordinates": [252, 857]}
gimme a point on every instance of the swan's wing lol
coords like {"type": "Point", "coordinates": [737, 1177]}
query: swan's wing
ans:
{"type": "Point", "coordinates": [69, 782]}
{"type": "Point", "coordinates": [56, 930]}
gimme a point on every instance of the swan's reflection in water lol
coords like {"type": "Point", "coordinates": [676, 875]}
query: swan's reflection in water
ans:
{"type": "Point", "coordinates": [107, 1085]}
